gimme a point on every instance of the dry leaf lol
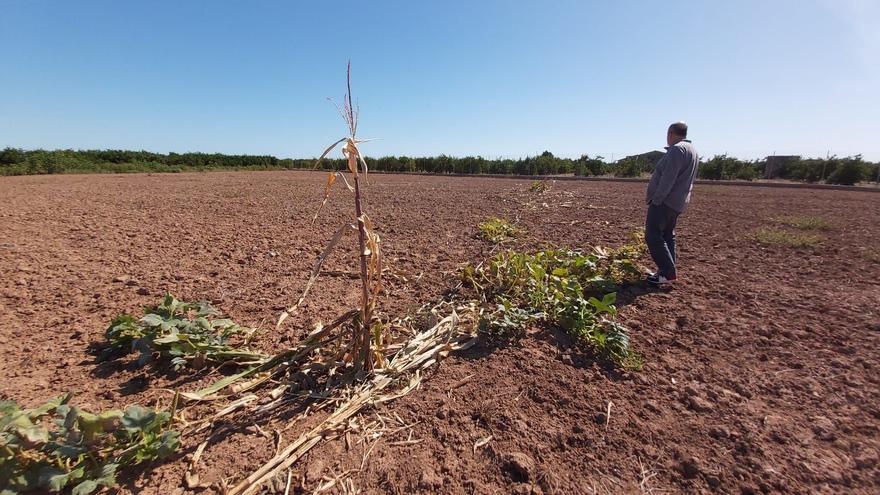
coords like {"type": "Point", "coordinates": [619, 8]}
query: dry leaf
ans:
{"type": "Point", "coordinates": [481, 442]}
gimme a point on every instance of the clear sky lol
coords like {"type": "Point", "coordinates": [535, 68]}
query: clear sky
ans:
{"type": "Point", "coordinates": [491, 78]}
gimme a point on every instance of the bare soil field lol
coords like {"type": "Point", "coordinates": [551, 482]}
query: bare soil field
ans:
{"type": "Point", "coordinates": [762, 365]}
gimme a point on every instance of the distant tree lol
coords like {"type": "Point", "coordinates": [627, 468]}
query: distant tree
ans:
{"type": "Point", "coordinates": [849, 171]}
{"type": "Point", "coordinates": [590, 166]}
{"type": "Point", "coordinates": [11, 156]}
{"type": "Point", "coordinates": [727, 167]}
{"type": "Point", "coordinates": [630, 167]}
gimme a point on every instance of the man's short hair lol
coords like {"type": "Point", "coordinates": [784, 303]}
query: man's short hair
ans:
{"type": "Point", "coordinates": [680, 129]}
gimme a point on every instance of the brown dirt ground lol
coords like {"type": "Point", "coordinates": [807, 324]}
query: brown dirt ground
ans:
{"type": "Point", "coordinates": [761, 366]}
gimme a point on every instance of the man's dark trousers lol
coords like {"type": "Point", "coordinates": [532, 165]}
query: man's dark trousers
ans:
{"type": "Point", "coordinates": [660, 238]}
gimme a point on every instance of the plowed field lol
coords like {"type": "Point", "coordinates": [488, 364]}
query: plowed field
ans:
{"type": "Point", "coordinates": [762, 365]}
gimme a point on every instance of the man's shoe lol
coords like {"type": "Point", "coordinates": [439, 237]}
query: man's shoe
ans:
{"type": "Point", "coordinates": [657, 279]}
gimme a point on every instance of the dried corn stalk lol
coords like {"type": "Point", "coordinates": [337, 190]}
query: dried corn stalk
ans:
{"type": "Point", "coordinates": [367, 334]}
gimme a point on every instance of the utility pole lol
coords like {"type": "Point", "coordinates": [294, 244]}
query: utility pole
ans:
{"type": "Point", "coordinates": [825, 163]}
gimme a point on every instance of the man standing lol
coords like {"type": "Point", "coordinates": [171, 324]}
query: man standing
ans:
{"type": "Point", "coordinates": [669, 192]}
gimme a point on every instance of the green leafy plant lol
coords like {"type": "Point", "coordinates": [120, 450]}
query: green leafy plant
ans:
{"type": "Point", "coordinates": [508, 320]}
{"type": "Point", "coordinates": [770, 236]}
{"type": "Point", "coordinates": [496, 230]}
{"type": "Point", "coordinates": [566, 288]}
{"type": "Point", "coordinates": [77, 449]}
{"type": "Point", "coordinates": [186, 333]}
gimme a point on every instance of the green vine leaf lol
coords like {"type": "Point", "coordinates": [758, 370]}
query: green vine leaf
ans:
{"type": "Point", "coordinates": [77, 447]}
{"type": "Point", "coordinates": [185, 333]}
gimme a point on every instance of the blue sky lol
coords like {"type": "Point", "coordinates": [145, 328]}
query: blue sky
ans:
{"type": "Point", "coordinates": [490, 78]}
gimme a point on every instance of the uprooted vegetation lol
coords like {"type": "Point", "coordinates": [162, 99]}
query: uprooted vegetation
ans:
{"type": "Point", "coordinates": [401, 373]}
{"type": "Point", "coordinates": [497, 230]}
{"type": "Point", "coordinates": [57, 445]}
{"type": "Point", "coordinates": [540, 186]}
{"type": "Point", "coordinates": [184, 333]}
{"type": "Point", "coordinates": [569, 289]}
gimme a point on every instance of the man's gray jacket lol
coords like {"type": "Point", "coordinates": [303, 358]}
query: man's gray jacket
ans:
{"type": "Point", "coordinates": [674, 176]}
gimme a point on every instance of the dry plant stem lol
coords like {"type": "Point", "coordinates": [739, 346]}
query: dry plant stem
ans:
{"type": "Point", "coordinates": [608, 415]}
{"type": "Point", "coordinates": [314, 341]}
{"type": "Point", "coordinates": [361, 354]}
{"type": "Point", "coordinates": [362, 234]}
{"type": "Point", "coordinates": [365, 294]}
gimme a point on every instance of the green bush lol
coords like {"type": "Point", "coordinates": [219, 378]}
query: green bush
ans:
{"type": "Point", "coordinates": [586, 166]}
{"type": "Point", "coordinates": [872, 172]}
{"type": "Point", "coordinates": [849, 171]}
{"type": "Point", "coordinates": [746, 173]}
{"type": "Point", "coordinates": [11, 156]}
{"type": "Point", "coordinates": [807, 170]}
{"type": "Point", "coordinates": [724, 167]}
{"type": "Point", "coordinates": [629, 167]}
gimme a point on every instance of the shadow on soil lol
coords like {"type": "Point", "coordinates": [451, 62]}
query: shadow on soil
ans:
{"type": "Point", "coordinates": [628, 294]}
{"type": "Point", "coordinates": [109, 362]}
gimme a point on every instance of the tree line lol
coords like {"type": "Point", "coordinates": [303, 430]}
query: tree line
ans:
{"type": "Point", "coordinates": [833, 170]}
